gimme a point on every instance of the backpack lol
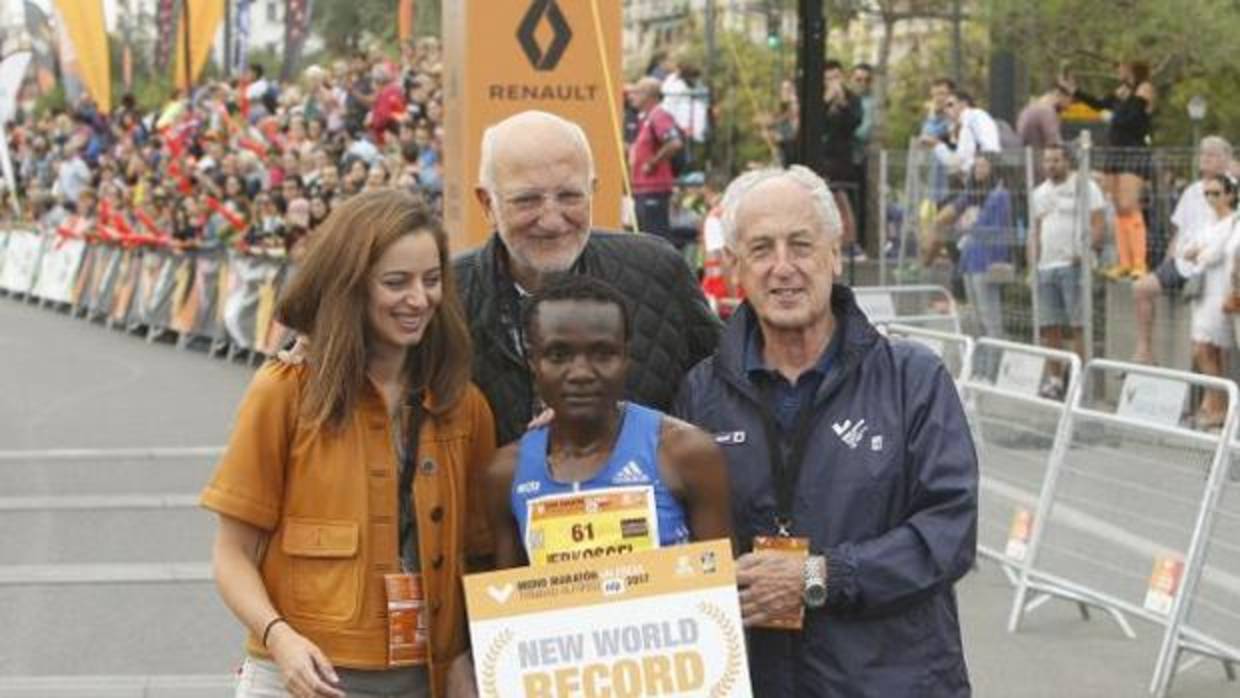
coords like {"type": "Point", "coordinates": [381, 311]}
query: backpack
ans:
{"type": "Point", "coordinates": [680, 159]}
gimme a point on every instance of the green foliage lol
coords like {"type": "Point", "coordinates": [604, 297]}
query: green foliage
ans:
{"type": "Point", "coordinates": [1187, 43]}
{"type": "Point", "coordinates": [746, 78]}
{"type": "Point", "coordinates": [908, 79]}
{"type": "Point", "coordinates": [53, 100]}
{"type": "Point", "coordinates": [350, 25]}
{"type": "Point", "coordinates": [153, 93]}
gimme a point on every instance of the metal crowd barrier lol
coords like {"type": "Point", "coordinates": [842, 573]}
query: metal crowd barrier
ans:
{"type": "Point", "coordinates": [1205, 618]}
{"type": "Point", "coordinates": [926, 306]}
{"type": "Point", "coordinates": [1127, 500]}
{"type": "Point", "coordinates": [222, 296]}
{"type": "Point", "coordinates": [956, 350]}
{"type": "Point", "coordinates": [1019, 430]}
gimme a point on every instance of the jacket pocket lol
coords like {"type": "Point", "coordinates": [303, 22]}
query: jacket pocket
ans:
{"type": "Point", "coordinates": [325, 577]}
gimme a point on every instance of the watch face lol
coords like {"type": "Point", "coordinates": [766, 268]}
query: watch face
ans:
{"type": "Point", "coordinates": [815, 595]}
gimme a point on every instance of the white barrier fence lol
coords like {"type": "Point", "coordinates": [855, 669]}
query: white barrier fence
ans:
{"type": "Point", "coordinates": [1103, 494]}
{"type": "Point", "coordinates": [927, 306]}
{"type": "Point", "coordinates": [1019, 431]}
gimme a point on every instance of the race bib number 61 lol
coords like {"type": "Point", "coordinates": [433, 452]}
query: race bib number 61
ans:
{"type": "Point", "coordinates": [583, 525]}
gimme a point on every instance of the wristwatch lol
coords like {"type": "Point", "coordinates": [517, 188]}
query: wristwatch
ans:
{"type": "Point", "coordinates": [815, 593]}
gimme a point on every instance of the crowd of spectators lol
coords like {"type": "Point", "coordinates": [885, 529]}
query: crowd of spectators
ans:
{"type": "Point", "coordinates": [249, 162]}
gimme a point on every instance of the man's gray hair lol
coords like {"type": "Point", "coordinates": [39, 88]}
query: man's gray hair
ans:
{"type": "Point", "coordinates": [1216, 143]}
{"type": "Point", "coordinates": [486, 163]}
{"type": "Point", "coordinates": [820, 197]}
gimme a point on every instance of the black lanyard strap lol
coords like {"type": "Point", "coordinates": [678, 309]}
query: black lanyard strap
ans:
{"type": "Point", "coordinates": [785, 473]}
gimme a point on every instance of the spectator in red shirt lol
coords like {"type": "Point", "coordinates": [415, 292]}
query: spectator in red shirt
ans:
{"type": "Point", "coordinates": [658, 140]}
{"type": "Point", "coordinates": [389, 103]}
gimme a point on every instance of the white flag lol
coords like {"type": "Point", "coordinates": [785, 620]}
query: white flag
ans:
{"type": "Point", "coordinates": [11, 72]}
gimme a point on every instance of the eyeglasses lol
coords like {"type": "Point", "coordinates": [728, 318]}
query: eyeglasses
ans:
{"type": "Point", "coordinates": [1213, 194]}
{"type": "Point", "coordinates": [532, 201]}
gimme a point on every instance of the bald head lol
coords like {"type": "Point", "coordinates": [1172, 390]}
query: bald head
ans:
{"type": "Point", "coordinates": [530, 137]}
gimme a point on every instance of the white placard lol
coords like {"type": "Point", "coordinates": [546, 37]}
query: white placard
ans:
{"type": "Point", "coordinates": [1020, 372]}
{"type": "Point", "coordinates": [878, 306]}
{"type": "Point", "coordinates": [21, 260]}
{"type": "Point", "coordinates": [58, 271]}
{"type": "Point", "coordinates": [662, 622]}
{"type": "Point", "coordinates": [1152, 399]}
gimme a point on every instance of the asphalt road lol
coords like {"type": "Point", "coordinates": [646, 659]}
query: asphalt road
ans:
{"type": "Point", "coordinates": [104, 581]}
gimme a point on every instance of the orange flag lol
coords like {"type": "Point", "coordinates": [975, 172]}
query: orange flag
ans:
{"type": "Point", "coordinates": [204, 20]}
{"type": "Point", "coordinates": [83, 21]}
{"type": "Point", "coordinates": [404, 20]}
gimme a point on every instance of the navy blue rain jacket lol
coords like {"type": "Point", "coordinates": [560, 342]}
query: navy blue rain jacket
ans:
{"type": "Point", "coordinates": [887, 491]}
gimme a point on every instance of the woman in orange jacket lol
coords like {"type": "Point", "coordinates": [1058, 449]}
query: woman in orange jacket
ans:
{"type": "Point", "coordinates": [342, 493]}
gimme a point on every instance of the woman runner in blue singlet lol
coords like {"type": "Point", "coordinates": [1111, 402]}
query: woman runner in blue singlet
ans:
{"type": "Point", "coordinates": [604, 476]}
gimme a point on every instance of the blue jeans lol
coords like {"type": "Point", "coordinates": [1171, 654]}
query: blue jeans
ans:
{"type": "Point", "coordinates": [1059, 297]}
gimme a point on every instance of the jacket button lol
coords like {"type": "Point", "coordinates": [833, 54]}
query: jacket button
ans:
{"type": "Point", "coordinates": [437, 562]}
{"type": "Point", "coordinates": [437, 514]}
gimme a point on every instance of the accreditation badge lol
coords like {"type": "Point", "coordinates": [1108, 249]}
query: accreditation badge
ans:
{"type": "Point", "coordinates": [596, 523]}
{"type": "Point", "coordinates": [784, 545]}
{"type": "Point", "coordinates": [406, 616]}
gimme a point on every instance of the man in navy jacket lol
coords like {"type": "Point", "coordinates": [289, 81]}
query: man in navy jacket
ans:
{"type": "Point", "coordinates": [838, 436]}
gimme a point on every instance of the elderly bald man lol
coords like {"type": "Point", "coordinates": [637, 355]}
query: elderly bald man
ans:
{"type": "Point", "coordinates": [536, 183]}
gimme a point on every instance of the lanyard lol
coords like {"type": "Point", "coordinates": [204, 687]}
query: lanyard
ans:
{"type": "Point", "coordinates": [404, 489]}
{"type": "Point", "coordinates": [784, 473]}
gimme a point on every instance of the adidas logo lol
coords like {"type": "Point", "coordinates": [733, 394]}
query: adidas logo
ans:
{"type": "Point", "coordinates": [631, 474]}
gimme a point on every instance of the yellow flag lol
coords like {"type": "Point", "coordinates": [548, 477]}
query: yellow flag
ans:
{"type": "Point", "coordinates": [83, 21]}
{"type": "Point", "coordinates": [204, 20]}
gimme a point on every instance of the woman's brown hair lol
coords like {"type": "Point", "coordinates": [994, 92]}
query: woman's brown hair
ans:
{"type": "Point", "coordinates": [328, 296]}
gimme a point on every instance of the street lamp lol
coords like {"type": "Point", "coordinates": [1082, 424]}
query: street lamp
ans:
{"type": "Point", "coordinates": [1196, 113]}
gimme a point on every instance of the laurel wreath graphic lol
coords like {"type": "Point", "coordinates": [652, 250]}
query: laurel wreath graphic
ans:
{"type": "Point", "coordinates": [732, 641]}
{"type": "Point", "coordinates": [490, 687]}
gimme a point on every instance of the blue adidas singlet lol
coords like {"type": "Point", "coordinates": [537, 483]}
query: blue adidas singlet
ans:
{"type": "Point", "coordinates": [634, 462]}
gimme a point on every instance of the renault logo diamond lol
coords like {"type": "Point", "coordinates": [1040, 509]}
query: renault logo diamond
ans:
{"type": "Point", "coordinates": [561, 34]}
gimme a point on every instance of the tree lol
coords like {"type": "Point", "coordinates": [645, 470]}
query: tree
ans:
{"type": "Point", "coordinates": [345, 26]}
{"type": "Point", "coordinates": [1188, 45]}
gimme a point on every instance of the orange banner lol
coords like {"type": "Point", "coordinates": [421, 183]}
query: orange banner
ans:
{"type": "Point", "coordinates": [404, 20]}
{"type": "Point", "coordinates": [83, 21]}
{"type": "Point", "coordinates": [204, 20]}
{"type": "Point", "coordinates": [501, 58]}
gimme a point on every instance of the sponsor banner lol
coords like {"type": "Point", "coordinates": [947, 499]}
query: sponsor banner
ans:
{"type": "Point", "coordinates": [58, 271]}
{"type": "Point", "coordinates": [21, 261]}
{"type": "Point", "coordinates": [107, 272]}
{"type": "Point", "coordinates": [160, 285]}
{"type": "Point", "coordinates": [126, 286]}
{"type": "Point", "coordinates": [215, 295]}
{"type": "Point", "coordinates": [662, 622]}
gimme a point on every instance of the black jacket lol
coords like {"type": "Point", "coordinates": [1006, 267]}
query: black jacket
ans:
{"type": "Point", "coordinates": [887, 491]}
{"type": "Point", "coordinates": [672, 326]}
